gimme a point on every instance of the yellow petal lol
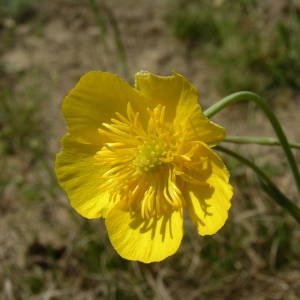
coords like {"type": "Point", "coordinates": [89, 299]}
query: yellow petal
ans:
{"type": "Point", "coordinates": [79, 175]}
{"type": "Point", "coordinates": [167, 91]}
{"type": "Point", "coordinates": [94, 100]}
{"type": "Point", "coordinates": [143, 240]}
{"type": "Point", "coordinates": [182, 102]}
{"type": "Point", "coordinates": [208, 204]}
{"type": "Point", "coordinates": [196, 127]}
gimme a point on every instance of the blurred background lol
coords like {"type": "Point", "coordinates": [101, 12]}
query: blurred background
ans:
{"type": "Point", "coordinates": [47, 251]}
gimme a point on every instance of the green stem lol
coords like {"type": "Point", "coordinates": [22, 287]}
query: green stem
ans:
{"type": "Point", "coordinates": [267, 141]}
{"type": "Point", "coordinates": [110, 17]}
{"type": "Point", "coordinates": [268, 186]}
{"type": "Point", "coordinates": [118, 41]}
{"type": "Point", "coordinates": [248, 96]}
{"type": "Point", "coordinates": [98, 18]}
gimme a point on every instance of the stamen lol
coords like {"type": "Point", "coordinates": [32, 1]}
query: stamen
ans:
{"type": "Point", "coordinates": [148, 156]}
{"type": "Point", "coordinates": [138, 163]}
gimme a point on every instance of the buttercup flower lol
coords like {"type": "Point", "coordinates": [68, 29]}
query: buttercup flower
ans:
{"type": "Point", "coordinates": [138, 157]}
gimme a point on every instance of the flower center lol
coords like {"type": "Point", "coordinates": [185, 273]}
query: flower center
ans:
{"type": "Point", "coordinates": [148, 155]}
{"type": "Point", "coordinates": [138, 163]}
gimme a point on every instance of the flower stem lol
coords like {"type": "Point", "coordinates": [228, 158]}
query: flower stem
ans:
{"type": "Point", "coordinates": [248, 96]}
{"type": "Point", "coordinates": [267, 141]}
{"type": "Point", "coordinates": [268, 186]}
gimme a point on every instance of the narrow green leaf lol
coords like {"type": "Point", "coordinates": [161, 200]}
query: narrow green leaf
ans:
{"type": "Point", "coordinates": [268, 186]}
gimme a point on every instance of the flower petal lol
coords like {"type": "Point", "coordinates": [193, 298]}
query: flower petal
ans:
{"type": "Point", "coordinates": [208, 203]}
{"type": "Point", "coordinates": [94, 100]}
{"type": "Point", "coordinates": [79, 175]}
{"type": "Point", "coordinates": [166, 90]}
{"type": "Point", "coordinates": [181, 100]}
{"type": "Point", "coordinates": [145, 240]}
{"type": "Point", "coordinates": [196, 127]}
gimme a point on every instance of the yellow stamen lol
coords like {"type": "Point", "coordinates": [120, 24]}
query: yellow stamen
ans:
{"type": "Point", "coordinates": [148, 156]}
{"type": "Point", "coordinates": [139, 162]}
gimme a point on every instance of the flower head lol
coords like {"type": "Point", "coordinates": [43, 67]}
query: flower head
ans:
{"type": "Point", "coordinates": [138, 157]}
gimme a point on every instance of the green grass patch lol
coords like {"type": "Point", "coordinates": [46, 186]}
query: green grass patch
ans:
{"type": "Point", "coordinates": [19, 10]}
{"type": "Point", "coordinates": [23, 143]}
{"type": "Point", "coordinates": [251, 48]}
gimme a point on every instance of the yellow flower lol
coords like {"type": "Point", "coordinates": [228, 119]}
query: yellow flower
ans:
{"type": "Point", "coordinates": [138, 157]}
